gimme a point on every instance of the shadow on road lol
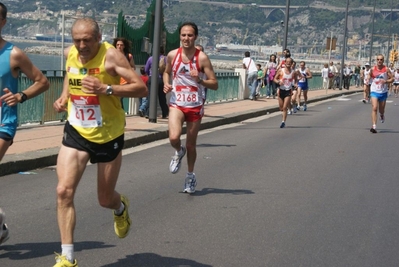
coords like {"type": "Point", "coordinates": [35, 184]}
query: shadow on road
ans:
{"type": "Point", "coordinates": [151, 259]}
{"type": "Point", "coordinates": [207, 191]}
{"type": "Point", "coordinates": [25, 251]}
{"type": "Point", "coordinates": [214, 145]}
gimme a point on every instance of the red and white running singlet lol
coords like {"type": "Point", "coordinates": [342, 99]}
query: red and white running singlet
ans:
{"type": "Point", "coordinates": [186, 91]}
{"type": "Point", "coordinates": [379, 75]}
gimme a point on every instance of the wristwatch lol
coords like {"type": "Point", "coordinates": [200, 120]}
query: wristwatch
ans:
{"type": "Point", "coordinates": [109, 90]}
{"type": "Point", "coordinates": [200, 80]}
{"type": "Point", "coordinates": [24, 97]}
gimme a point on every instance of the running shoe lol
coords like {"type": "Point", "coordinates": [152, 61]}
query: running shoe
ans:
{"type": "Point", "coordinates": [122, 223]}
{"type": "Point", "coordinates": [267, 97]}
{"type": "Point", "coordinates": [382, 118]}
{"type": "Point", "coordinates": [295, 109]}
{"type": "Point", "coordinates": [298, 107]}
{"type": "Point", "coordinates": [5, 235]}
{"type": "Point", "coordinates": [141, 113]}
{"type": "Point", "coordinates": [282, 125]}
{"type": "Point", "coordinates": [373, 130]}
{"type": "Point", "coordinates": [305, 107]}
{"type": "Point", "coordinates": [364, 101]}
{"type": "Point", "coordinates": [289, 112]}
{"type": "Point", "coordinates": [189, 184]}
{"type": "Point", "coordinates": [175, 164]}
{"type": "Point", "coordinates": [61, 261]}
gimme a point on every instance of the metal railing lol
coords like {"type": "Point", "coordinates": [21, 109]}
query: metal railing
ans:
{"type": "Point", "coordinates": [40, 109]}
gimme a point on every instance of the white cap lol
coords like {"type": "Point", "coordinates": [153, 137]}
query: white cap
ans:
{"type": "Point", "coordinates": [367, 64]}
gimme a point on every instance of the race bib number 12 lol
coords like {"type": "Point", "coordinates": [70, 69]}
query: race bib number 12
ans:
{"type": "Point", "coordinates": [85, 111]}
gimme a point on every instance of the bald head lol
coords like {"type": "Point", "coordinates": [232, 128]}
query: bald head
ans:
{"type": "Point", "coordinates": [87, 23]}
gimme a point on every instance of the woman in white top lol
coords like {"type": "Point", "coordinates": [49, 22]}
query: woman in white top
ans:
{"type": "Point", "coordinates": [324, 75]}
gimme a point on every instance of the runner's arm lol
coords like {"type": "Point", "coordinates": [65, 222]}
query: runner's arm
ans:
{"type": "Point", "coordinates": [116, 64]}
{"type": "Point", "coordinates": [20, 61]}
{"type": "Point", "coordinates": [168, 71]}
{"type": "Point", "coordinates": [211, 82]}
{"type": "Point", "coordinates": [60, 105]}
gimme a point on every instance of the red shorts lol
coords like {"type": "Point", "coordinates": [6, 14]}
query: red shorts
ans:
{"type": "Point", "coordinates": [191, 114]}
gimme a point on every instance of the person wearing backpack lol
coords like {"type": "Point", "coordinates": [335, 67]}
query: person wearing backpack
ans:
{"type": "Point", "coordinates": [161, 69]}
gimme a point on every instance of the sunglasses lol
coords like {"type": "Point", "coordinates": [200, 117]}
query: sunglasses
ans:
{"type": "Point", "coordinates": [380, 59]}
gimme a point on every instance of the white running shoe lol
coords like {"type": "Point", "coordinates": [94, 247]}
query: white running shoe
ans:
{"type": "Point", "coordinates": [4, 233]}
{"type": "Point", "coordinates": [289, 112]}
{"type": "Point", "coordinates": [189, 184]}
{"type": "Point", "coordinates": [175, 163]}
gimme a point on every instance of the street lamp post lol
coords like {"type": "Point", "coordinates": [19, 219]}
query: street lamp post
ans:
{"type": "Point", "coordinates": [344, 46]}
{"type": "Point", "coordinates": [287, 17]}
{"type": "Point", "coordinates": [372, 33]}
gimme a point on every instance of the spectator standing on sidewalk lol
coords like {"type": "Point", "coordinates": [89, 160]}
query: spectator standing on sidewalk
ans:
{"type": "Point", "coordinates": [269, 71]}
{"type": "Point", "coordinates": [396, 82]}
{"type": "Point", "coordinates": [252, 73]}
{"type": "Point", "coordinates": [286, 78]}
{"type": "Point", "coordinates": [124, 46]}
{"type": "Point", "coordinates": [187, 66]}
{"type": "Point", "coordinates": [347, 76]}
{"type": "Point", "coordinates": [143, 101]}
{"type": "Point", "coordinates": [13, 60]}
{"type": "Point", "coordinates": [259, 82]}
{"type": "Point", "coordinates": [390, 86]}
{"type": "Point", "coordinates": [161, 94]}
{"type": "Point", "coordinates": [338, 75]}
{"type": "Point", "coordinates": [356, 74]}
{"type": "Point", "coordinates": [362, 77]}
{"type": "Point", "coordinates": [94, 130]}
{"type": "Point", "coordinates": [334, 72]}
{"type": "Point", "coordinates": [381, 77]}
{"type": "Point", "coordinates": [324, 75]}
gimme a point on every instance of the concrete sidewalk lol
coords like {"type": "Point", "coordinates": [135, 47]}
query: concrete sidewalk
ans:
{"type": "Point", "coordinates": [37, 146]}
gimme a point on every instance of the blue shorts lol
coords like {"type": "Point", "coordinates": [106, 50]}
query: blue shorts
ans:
{"type": "Point", "coordinates": [380, 96]}
{"type": "Point", "coordinates": [6, 137]}
{"type": "Point", "coordinates": [303, 86]}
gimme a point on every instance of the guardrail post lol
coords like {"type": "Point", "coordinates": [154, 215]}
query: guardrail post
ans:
{"type": "Point", "coordinates": [243, 90]}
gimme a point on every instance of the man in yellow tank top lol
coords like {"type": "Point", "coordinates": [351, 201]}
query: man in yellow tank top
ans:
{"type": "Point", "coordinates": [94, 130]}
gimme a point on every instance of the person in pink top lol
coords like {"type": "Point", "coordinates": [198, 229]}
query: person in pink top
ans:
{"type": "Point", "coordinates": [188, 72]}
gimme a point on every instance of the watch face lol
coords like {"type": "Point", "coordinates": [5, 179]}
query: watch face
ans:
{"type": "Point", "coordinates": [109, 90]}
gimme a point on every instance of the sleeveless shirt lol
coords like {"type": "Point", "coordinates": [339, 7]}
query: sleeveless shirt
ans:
{"type": "Point", "coordinates": [186, 92]}
{"type": "Point", "coordinates": [97, 118]}
{"type": "Point", "coordinates": [288, 80]}
{"type": "Point", "coordinates": [378, 76]}
{"type": "Point", "coordinates": [8, 115]}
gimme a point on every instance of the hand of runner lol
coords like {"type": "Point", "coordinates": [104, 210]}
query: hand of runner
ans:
{"type": "Point", "coordinates": [92, 85]}
{"type": "Point", "coordinates": [9, 98]}
{"type": "Point", "coordinates": [167, 88]}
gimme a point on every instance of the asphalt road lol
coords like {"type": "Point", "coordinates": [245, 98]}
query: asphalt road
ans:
{"type": "Point", "coordinates": [320, 192]}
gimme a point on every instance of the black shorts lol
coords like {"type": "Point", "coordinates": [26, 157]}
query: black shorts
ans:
{"type": "Point", "coordinates": [6, 137]}
{"type": "Point", "coordinates": [106, 152]}
{"type": "Point", "coordinates": [284, 93]}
